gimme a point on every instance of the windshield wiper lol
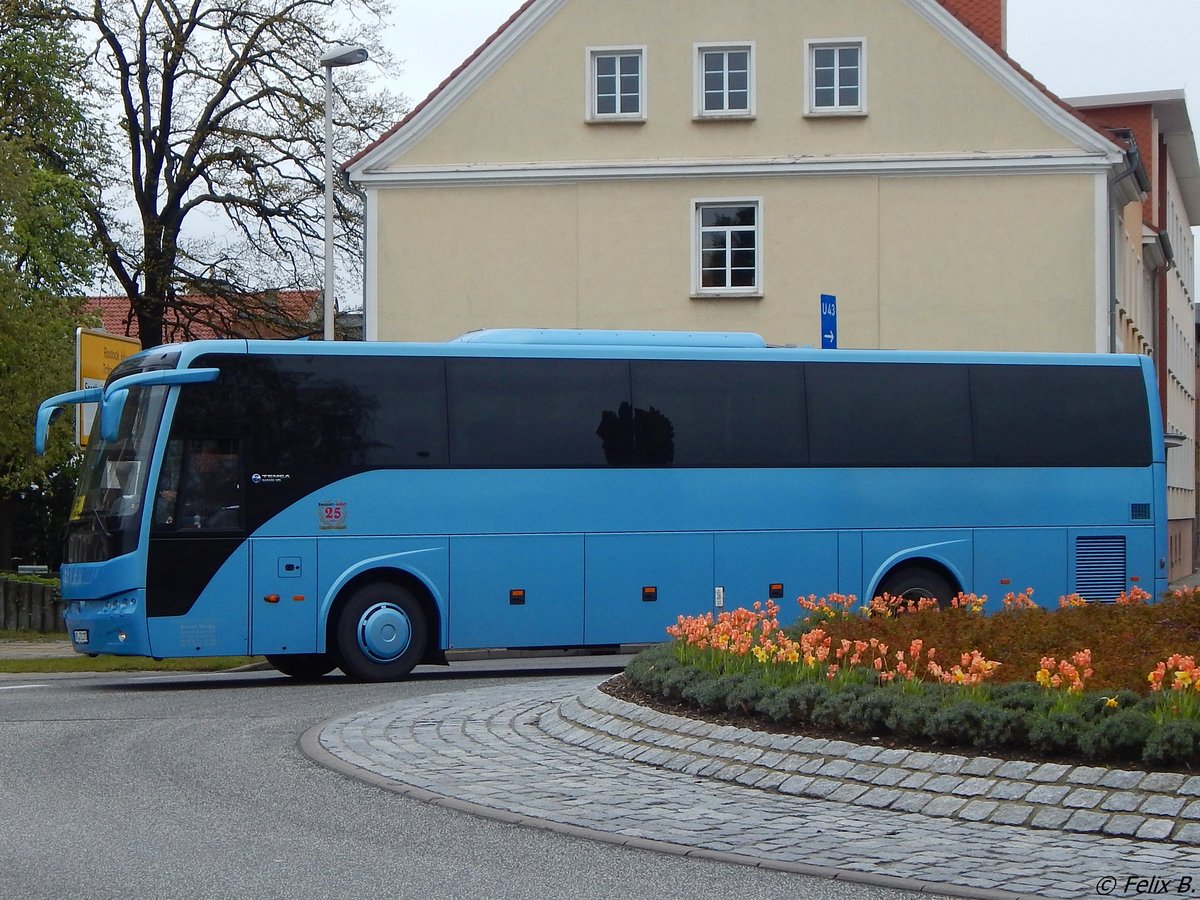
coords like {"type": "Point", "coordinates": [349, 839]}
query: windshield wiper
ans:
{"type": "Point", "coordinates": [95, 511]}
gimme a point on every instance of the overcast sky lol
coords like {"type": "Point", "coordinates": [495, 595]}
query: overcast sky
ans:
{"type": "Point", "coordinates": [1076, 47]}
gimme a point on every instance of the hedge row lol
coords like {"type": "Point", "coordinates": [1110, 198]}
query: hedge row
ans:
{"type": "Point", "coordinates": [1017, 718]}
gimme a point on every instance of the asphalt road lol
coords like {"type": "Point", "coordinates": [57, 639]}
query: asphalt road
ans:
{"type": "Point", "coordinates": [190, 786]}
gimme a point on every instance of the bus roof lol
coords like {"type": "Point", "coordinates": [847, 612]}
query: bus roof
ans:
{"type": "Point", "coordinates": [521, 342]}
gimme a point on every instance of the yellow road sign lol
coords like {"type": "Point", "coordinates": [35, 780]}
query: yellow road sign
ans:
{"type": "Point", "coordinates": [96, 355]}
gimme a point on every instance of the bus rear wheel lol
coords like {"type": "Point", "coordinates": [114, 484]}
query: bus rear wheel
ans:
{"type": "Point", "coordinates": [380, 633]}
{"type": "Point", "coordinates": [303, 666]}
{"type": "Point", "coordinates": [915, 583]}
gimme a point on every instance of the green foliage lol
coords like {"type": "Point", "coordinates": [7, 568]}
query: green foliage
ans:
{"type": "Point", "coordinates": [1122, 735]}
{"type": "Point", "coordinates": [868, 713]}
{"type": "Point", "coordinates": [743, 693]}
{"type": "Point", "coordinates": [955, 722]}
{"type": "Point", "coordinates": [1001, 728]}
{"type": "Point", "coordinates": [794, 703]}
{"type": "Point", "coordinates": [1174, 741]}
{"type": "Point", "coordinates": [676, 681]}
{"type": "Point", "coordinates": [45, 243]}
{"type": "Point", "coordinates": [1056, 733]}
{"type": "Point", "coordinates": [912, 710]}
{"type": "Point", "coordinates": [650, 667]}
{"type": "Point", "coordinates": [38, 512]}
{"type": "Point", "coordinates": [45, 256]}
{"type": "Point", "coordinates": [707, 692]}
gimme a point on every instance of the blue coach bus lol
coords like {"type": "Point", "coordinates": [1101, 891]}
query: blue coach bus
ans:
{"type": "Point", "coordinates": [371, 506]}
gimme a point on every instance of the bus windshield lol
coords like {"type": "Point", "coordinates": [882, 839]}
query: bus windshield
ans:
{"type": "Point", "coordinates": [106, 515]}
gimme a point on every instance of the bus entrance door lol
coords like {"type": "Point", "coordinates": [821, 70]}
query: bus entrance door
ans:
{"type": "Point", "coordinates": [283, 596]}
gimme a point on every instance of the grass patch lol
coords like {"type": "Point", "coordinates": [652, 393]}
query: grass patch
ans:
{"type": "Point", "coordinates": [82, 663]}
{"type": "Point", "coordinates": [29, 579]}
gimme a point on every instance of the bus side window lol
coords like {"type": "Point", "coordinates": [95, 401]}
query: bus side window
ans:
{"type": "Point", "coordinates": [209, 494]}
{"type": "Point", "coordinates": [166, 499]}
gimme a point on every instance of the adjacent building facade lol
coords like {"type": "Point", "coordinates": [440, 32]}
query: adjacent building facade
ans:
{"type": "Point", "coordinates": [1153, 281]}
{"type": "Point", "coordinates": [605, 164]}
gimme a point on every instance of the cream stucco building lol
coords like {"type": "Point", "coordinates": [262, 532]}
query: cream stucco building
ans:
{"type": "Point", "coordinates": [618, 164]}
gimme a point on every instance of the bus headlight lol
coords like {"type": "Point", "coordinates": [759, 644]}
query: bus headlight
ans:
{"type": "Point", "coordinates": [119, 606]}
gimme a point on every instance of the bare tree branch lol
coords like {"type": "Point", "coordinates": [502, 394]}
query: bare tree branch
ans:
{"type": "Point", "coordinates": [219, 150]}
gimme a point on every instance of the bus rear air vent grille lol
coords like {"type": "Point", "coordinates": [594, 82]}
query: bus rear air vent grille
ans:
{"type": "Point", "coordinates": [1100, 567]}
{"type": "Point", "coordinates": [1139, 512]}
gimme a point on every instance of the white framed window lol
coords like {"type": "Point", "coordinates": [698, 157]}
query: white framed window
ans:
{"type": "Point", "coordinates": [725, 81]}
{"type": "Point", "coordinates": [616, 84]}
{"type": "Point", "coordinates": [837, 78]}
{"type": "Point", "coordinates": [727, 248]}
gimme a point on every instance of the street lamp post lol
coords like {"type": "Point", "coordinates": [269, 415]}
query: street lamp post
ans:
{"type": "Point", "coordinates": [333, 58]}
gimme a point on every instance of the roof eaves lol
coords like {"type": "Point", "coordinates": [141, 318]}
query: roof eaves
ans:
{"type": "Point", "coordinates": [998, 62]}
{"type": "Point", "coordinates": [440, 89]}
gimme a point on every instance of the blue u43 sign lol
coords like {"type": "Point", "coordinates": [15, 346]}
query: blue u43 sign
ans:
{"type": "Point", "coordinates": [828, 322]}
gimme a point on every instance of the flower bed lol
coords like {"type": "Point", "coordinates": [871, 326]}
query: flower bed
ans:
{"type": "Point", "coordinates": [1108, 682]}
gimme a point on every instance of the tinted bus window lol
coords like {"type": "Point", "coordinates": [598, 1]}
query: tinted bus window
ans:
{"type": "Point", "coordinates": [720, 414]}
{"type": "Point", "coordinates": [1060, 416]}
{"type": "Point", "coordinates": [314, 413]}
{"type": "Point", "coordinates": [881, 415]}
{"type": "Point", "coordinates": [533, 413]}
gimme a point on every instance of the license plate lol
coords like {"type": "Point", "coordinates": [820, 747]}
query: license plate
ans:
{"type": "Point", "coordinates": [80, 635]}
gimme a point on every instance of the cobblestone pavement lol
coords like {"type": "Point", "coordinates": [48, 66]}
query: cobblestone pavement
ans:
{"type": "Point", "coordinates": [563, 755]}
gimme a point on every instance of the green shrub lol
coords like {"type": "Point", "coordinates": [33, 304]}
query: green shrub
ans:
{"type": "Point", "coordinates": [648, 669]}
{"type": "Point", "coordinates": [1002, 728]}
{"type": "Point", "coordinates": [956, 722]}
{"type": "Point", "coordinates": [744, 692]}
{"type": "Point", "coordinates": [1056, 733]}
{"type": "Point", "coordinates": [677, 680]}
{"type": "Point", "coordinates": [911, 712]}
{"type": "Point", "coordinates": [794, 703]}
{"type": "Point", "coordinates": [707, 692]}
{"type": "Point", "coordinates": [868, 713]}
{"type": "Point", "coordinates": [1121, 735]}
{"type": "Point", "coordinates": [833, 710]}
{"type": "Point", "coordinates": [1171, 742]}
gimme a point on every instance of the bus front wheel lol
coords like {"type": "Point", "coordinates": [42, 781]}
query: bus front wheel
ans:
{"type": "Point", "coordinates": [914, 583]}
{"type": "Point", "coordinates": [380, 633]}
{"type": "Point", "coordinates": [303, 666]}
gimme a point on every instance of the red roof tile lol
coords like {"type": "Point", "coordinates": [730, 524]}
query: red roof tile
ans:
{"type": "Point", "coordinates": [275, 314]}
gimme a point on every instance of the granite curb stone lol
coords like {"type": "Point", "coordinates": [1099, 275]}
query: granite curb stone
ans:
{"type": "Point", "coordinates": [1056, 795]}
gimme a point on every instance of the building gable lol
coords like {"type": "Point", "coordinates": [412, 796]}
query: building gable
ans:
{"type": "Point", "coordinates": [520, 103]}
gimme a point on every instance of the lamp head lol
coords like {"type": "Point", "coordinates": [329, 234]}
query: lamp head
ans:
{"type": "Point", "coordinates": [339, 55]}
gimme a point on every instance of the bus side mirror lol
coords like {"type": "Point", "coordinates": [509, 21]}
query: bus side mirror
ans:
{"type": "Point", "coordinates": [49, 409]}
{"type": "Point", "coordinates": [111, 408]}
{"type": "Point", "coordinates": [45, 415]}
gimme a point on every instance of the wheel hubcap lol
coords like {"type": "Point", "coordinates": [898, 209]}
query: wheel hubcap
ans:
{"type": "Point", "coordinates": [384, 632]}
